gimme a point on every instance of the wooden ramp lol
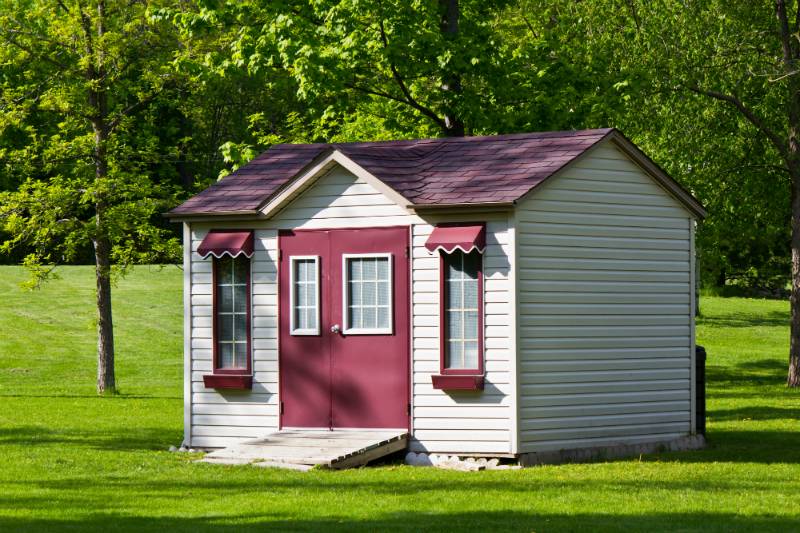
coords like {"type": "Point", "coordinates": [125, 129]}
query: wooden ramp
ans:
{"type": "Point", "coordinates": [302, 450]}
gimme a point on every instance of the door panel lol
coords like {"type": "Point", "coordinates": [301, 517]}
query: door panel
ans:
{"type": "Point", "coordinates": [305, 365]}
{"type": "Point", "coordinates": [342, 380]}
{"type": "Point", "coordinates": [370, 373]}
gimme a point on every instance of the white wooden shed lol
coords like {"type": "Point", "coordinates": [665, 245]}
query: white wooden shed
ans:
{"type": "Point", "coordinates": [488, 295]}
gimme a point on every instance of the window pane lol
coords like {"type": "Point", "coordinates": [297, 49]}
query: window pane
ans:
{"type": "Point", "coordinates": [225, 332]}
{"type": "Point", "coordinates": [383, 268]}
{"type": "Point", "coordinates": [355, 269]}
{"type": "Point", "coordinates": [383, 317]}
{"type": "Point", "coordinates": [454, 265]}
{"type": "Point", "coordinates": [225, 299]}
{"type": "Point", "coordinates": [455, 355]}
{"type": "Point", "coordinates": [240, 299]}
{"type": "Point", "coordinates": [455, 325]}
{"type": "Point", "coordinates": [311, 294]}
{"type": "Point", "coordinates": [240, 269]}
{"type": "Point", "coordinates": [470, 294]}
{"type": "Point", "coordinates": [471, 325]}
{"type": "Point", "coordinates": [370, 318]}
{"type": "Point", "coordinates": [300, 318]}
{"type": "Point", "coordinates": [383, 293]}
{"type": "Point", "coordinates": [355, 293]}
{"type": "Point", "coordinates": [241, 355]}
{"type": "Point", "coordinates": [241, 328]}
{"type": "Point", "coordinates": [311, 318]}
{"type": "Point", "coordinates": [368, 269]}
{"type": "Point", "coordinates": [471, 262]}
{"type": "Point", "coordinates": [454, 289]}
{"type": "Point", "coordinates": [225, 350]}
{"type": "Point", "coordinates": [355, 317]}
{"type": "Point", "coordinates": [300, 295]}
{"type": "Point", "coordinates": [368, 293]}
{"type": "Point", "coordinates": [225, 269]}
{"type": "Point", "coordinates": [471, 354]}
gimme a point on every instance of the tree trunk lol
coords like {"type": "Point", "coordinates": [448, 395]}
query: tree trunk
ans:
{"type": "Point", "coordinates": [790, 54]}
{"type": "Point", "coordinates": [454, 126]}
{"type": "Point", "coordinates": [105, 326]}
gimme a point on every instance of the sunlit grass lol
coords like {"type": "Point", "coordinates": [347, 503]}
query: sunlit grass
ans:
{"type": "Point", "coordinates": [70, 461]}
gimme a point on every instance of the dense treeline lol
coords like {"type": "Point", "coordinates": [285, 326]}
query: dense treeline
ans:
{"type": "Point", "coordinates": [113, 111]}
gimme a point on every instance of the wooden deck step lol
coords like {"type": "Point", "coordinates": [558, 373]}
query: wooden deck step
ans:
{"type": "Point", "coordinates": [334, 449]}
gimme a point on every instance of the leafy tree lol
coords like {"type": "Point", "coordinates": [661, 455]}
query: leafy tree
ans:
{"type": "Point", "coordinates": [77, 75]}
{"type": "Point", "coordinates": [444, 67]}
{"type": "Point", "coordinates": [724, 94]}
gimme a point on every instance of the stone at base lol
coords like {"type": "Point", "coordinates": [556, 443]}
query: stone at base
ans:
{"type": "Point", "coordinates": [421, 460]}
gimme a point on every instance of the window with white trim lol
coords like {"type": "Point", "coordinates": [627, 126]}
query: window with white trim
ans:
{"type": "Point", "coordinates": [304, 298]}
{"type": "Point", "coordinates": [461, 308]}
{"type": "Point", "coordinates": [368, 294]}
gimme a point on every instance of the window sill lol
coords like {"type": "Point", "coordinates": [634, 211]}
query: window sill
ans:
{"type": "Point", "coordinates": [455, 382]}
{"type": "Point", "coordinates": [222, 381]}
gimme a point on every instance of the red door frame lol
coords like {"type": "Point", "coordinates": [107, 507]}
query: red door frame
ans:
{"type": "Point", "coordinates": [409, 324]}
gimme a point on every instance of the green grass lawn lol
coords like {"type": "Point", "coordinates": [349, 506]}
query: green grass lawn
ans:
{"type": "Point", "coordinates": [71, 461]}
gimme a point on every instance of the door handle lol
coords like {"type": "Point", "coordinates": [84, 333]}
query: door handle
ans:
{"type": "Point", "coordinates": [335, 329]}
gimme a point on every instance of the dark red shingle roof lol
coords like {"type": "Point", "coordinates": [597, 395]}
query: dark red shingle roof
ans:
{"type": "Point", "coordinates": [464, 170]}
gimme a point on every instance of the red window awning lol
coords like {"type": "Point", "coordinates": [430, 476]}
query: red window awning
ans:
{"type": "Point", "coordinates": [219, 242]}
{"type": "Point", "coordinates": [448, 237]}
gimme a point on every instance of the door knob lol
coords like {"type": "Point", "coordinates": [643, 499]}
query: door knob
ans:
{"type": "Point", "coordinates": [335, 329]}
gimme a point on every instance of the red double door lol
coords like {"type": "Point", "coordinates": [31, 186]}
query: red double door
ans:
{"type": "Point", "coordinates": [344, 356]}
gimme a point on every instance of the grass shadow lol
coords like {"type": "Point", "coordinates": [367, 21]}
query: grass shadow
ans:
{"type": "Point", "coordinates": [746, 320]}
{"type": "Point", "coordinates": [418, 520]}
{"type": "Point", "coordinates": [112, 438]}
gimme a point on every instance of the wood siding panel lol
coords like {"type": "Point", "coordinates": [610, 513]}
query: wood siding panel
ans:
{"type": "Point", "coordinates": [604, 325]}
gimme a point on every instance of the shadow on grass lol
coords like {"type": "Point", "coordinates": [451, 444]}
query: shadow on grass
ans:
{"type": "Point", "coordinates": [766, 372]}
{"type": "Point", "coordinates": [513, 521]}
{"type": "Point", "coordinates": [747, 320]}
{"type": "Point", "coordinates": [112, 439]}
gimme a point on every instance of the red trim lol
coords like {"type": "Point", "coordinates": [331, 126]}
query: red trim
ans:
{"type": "Point", "coordinates": [219, 371]}
{"type": "Point", "coordinates": [211, 381]}
{"type": "Point", "coordinates": [278, 309]}
{"type": "Point", "coordinates": [458, 382]}
{"type": "Point", "coordinates": [443, 325]}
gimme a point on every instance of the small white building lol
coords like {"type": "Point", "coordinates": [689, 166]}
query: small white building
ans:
{"type": "Point", "coordinates": [488, 295]}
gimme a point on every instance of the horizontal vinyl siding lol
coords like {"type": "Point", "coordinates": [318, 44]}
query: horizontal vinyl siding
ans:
{"type": "Point", "coordinates": [461, 421]}
{"type": "Point", "coordinates": [469, 422]}
{"type": "Point", "coordinates": [604, 299]}
{"type": "Point", "coordinates": [222, 418]}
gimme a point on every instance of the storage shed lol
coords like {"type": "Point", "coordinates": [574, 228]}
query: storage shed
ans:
{"type": "Point", "coordinates": [487, 295]}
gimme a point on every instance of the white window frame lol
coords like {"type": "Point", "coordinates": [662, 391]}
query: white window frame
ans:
{"type": "Point", "coordinates": [346, 297]}
{"type": "Point", "coordinates": [292, 329]}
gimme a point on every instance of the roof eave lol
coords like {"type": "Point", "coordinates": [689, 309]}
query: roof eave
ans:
{"type": "Point", "coordinates": [247, 214]}
{"type": "Point", "coordinates": [477, 207]}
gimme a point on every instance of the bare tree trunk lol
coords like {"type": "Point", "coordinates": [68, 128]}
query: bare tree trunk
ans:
{"type": "Point", "coordinates": [105, 327]}
{"type": "Point", "coordinates": [451, 82]}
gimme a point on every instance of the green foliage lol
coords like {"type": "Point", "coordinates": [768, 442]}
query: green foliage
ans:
{"type": "Point", "coordinates": [391, 67]}
{"type": "Point", "coordinates": [79, 171]}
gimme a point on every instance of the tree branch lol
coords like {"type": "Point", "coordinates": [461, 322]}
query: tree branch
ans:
{"type": "Point", "coordinates": [409, 99]}
{"type": "Point", "coordinates": [31, 52]}
{"type": "Point", "coordinates": [750, 116]}
{"type": "Point", "coordinates": [114, 123]}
